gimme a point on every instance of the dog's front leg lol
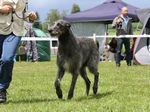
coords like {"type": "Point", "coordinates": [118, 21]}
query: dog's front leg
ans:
{"type": "Point", "coordinates": [60, 75]}
{"type": "Point", "coordinates": [72, 86]}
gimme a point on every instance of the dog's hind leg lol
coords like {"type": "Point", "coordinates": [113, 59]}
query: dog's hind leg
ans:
{"type": "Point", "coordinates": [86, 79]}
{"type": "Point", "coordinates": [72, 86]}
{"type": "Point", "coordinates": [95, 86]}
{"type": "Point", "coordinates": [94, 70]}
{"type": "Point", "coordinates": [60, 75]}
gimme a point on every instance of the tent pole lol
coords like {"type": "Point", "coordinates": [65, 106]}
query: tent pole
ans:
{"type": "Point", "coordinates": [107, 34]}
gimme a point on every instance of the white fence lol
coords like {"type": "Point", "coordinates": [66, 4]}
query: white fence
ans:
{"type": "Point", "coordinates": [94, 36]}
{"type": "Point", "coordinates": [54, 49]}
{"type": "Point", "coordinates": [121, 36]}
{"type": "Point", "coordinates": [37, 39]}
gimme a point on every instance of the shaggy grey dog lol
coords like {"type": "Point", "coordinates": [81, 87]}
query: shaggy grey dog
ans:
{"type": "Point", "coordinates": [74, 55]}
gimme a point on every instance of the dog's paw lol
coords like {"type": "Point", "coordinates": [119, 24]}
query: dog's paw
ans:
{"type": "Point", "coordinates": [59, 94]}
{"type": "Point", "coordinates": [70, 96]}
{"type": "Point", "coordinates": [60, 97]}
{"type": "Point", "coordinates": [95, 90]}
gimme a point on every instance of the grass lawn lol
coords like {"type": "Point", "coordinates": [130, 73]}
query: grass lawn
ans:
{"type": "Point", "coordinates": [125, 89]}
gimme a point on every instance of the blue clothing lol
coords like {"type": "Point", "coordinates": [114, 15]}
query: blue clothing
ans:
{"type": "Point", "coordinates": [126, 20]}
{"type": "Point", "coordinates": [8, 47]}
{"type": "Point", "coordinates": [125, 23]}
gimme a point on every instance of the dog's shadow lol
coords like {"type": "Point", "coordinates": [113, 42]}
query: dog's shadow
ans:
{"type": "Point", "coordinates": [38, 100]}
{"type": "Point", "coordinates": [98, 96]}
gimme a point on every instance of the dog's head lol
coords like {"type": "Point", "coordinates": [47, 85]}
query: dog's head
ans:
{"type": "Point", "coordinates": [59, 28]}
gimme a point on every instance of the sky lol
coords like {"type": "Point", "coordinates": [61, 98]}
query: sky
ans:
{"type": "Point", "coordinates": [44, 6]}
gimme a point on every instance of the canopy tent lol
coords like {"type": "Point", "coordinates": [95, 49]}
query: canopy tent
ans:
{"type": "Point", "coordinates": [94, 20]}
{"type": "Point", "coordinates": [43, 47]}
{"type": "Point", "coordinates": [104, 12]}
{"type": "Point", "coordinates": [142, 45]}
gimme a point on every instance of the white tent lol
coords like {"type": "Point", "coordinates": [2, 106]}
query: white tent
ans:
{"type": "Point", "coordinates": [142, 45]}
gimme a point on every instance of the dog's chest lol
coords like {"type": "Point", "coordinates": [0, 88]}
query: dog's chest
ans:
{"type": "Point", "coordinates": [67, 65]}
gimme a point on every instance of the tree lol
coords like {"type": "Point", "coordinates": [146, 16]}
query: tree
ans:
{"type": "Point", "coordinates": [63, 13]}
{"type": "Point", "coordinates": [52, 17]}
{"type": "Point", "coordinates": [45, 26]}
{"type": "Point", "coordinates": [75, 8]}
{"type": "Point", "coordinates": [37, 23]}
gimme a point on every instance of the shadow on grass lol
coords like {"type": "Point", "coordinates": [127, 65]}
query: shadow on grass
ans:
{"type": "Point", "coordinates": [98, 96]}
{"type": "Point", "coordinates": [26, 101]}
{"type": "Point", "coordinates": [47, 100]}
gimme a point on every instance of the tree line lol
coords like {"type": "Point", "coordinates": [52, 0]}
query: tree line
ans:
{"type": "Point", "coordinates": [52, 16]}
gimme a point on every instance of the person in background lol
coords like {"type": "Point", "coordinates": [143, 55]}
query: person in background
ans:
{"type": "Point", "coordinates": [31, 46]}
{"type": "Point", "coordinates": [123, 26]}
{"type": "Point", "coordinates": [12, 16]}
{"type": "Point", "coordinates": [22, 56]}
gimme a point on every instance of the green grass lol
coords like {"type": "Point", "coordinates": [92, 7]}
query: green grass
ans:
{"type": "Point", "coordinates": [125, 89]}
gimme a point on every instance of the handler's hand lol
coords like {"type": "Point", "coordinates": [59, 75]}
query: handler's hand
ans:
{"type": "Point", "coordinates": [32, 16]}
{"type": "Point", "coordinates": [119, 20]}
{"type": "Point", "coordinates": [5, 9]}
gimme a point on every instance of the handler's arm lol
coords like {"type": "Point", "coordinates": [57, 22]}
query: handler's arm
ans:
{"type": "Point", "coordinates": [114, 23]}
{"type": "Point", "coordinates": [6, 9]}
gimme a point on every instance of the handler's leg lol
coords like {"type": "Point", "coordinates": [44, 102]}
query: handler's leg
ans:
{"type": "Point", "coordinates": [1, 44]}
{"type": "Point", "coordinates": [9, 48]}
{"type": "Point", "coordinates": [128, 51]}
{"type": "Point", "coordinates": [118, 51]}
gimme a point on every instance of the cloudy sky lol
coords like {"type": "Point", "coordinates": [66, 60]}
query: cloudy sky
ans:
{"type": "Point", "coordinates": [43, 6]}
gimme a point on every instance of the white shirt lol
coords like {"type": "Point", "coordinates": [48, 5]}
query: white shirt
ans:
{"type": "Point", "coordinates": [6, 24]}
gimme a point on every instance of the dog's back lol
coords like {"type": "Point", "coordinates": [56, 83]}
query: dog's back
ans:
{"type": "Point", "coordinates": [89, 49]}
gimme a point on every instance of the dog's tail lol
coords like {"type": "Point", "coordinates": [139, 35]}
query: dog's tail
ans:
{"type": "Point", "coordinates": [95, 41]}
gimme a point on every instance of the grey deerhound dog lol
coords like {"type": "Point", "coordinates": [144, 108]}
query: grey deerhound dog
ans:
{"type": "Point", "coordinates": [74, 55]}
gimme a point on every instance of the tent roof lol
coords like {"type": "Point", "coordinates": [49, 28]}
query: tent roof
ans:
{"type": "Point", "coordinates": [143, 14]}
{"type": "Point", "coordinates": [104, 12]}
